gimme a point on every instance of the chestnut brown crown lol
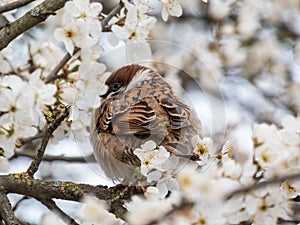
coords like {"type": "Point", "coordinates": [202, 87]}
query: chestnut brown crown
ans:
{"type": "Point", "coordinates": [121, 78]}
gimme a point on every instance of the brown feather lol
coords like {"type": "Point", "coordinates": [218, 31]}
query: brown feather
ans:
{"type": "Point", "coordinates": [125, 74]}
{"type": "Point", "coordinates": [136, 120]}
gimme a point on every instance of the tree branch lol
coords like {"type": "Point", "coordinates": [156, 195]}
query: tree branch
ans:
{"type": "Point", "coordinates": [6, 212]}
{"type": "Point", "coordinates": [14, 5]}
{"type": "Point", "coordinates": [276, 180]}
{"type": "Point", "coordinates": [49, 130]}
{"type": "Point", "coordinates": [33, 17]}
{"type": "Point", "coordinates": [22, 183]}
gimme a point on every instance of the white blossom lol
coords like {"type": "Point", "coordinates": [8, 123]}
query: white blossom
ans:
{"type": "Point", "coordinates": [248, 21]}
{"type": "Point", "coordinates": [68, 94]}
{"type": "Point", "coordinates": [231, 169]}
{"type": "Point", "coordinates": [74, 34]}
{"type": "Point", "coordinates": [43, 93]}
{"type": "Point", "coordinates": [87, 12]}
{"type": "Point", "coordinates": [18, 107]}
{"type": "Point", "coordinates": [203, 148]}
{"type": "Point", "coordinates": [291, 188]}
{"type": "Point", "coordinates": [46, 56]}
{"type": "Point", "coordinates": [219, 9]}
{"type": "Point", "coordinates": [11, 134]}
{"type": "Point", "coordinates": [291, 131]}
{"type": "Point", "coordinates": [266, 205]}
{"type": "Point", "coordinates": [94, 211]}
{"type": "Point", "coordinates": [150, 157]}
{"type": "Point", "coordinates": [18, 112]}
{"type": "Point", "coordinates": [233, 210]}
{"type": "Point", "coordinates": [234, 54]}
{"type": "Point", "coordinates": [60, 133]}
{"type": "Point", "coordinates": [172, 8]}
{"type": "Point", "coordinates": [137, 23]}
{"type": "Point", "coordinates": [204, 214]}
{"type": "Point", "coordinates": [83, 9]}
{"type": "Point", "coordinates": [143, 211]}
{"type": "Point", "coordinates": [79, 125]}
{"type": "Point", "coordinates": [276, 150]}
{"type": "Point", "coordinates": [248, 172]}
{"type": "Point", "coordinates": [152, 193]}
{"type": "Point", "coordinates": [166, 184]}
{"type": "Point", "coordinates": [91, 54]}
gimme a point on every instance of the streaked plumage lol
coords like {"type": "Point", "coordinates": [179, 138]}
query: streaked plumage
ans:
{"type": "Point", "coordinates": [139, 106]}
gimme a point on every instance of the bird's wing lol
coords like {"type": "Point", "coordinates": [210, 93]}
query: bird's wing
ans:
{"type": "Point", "coordinates": [134, 124]}
{"type": "Point", "coordinates": [138, 113]}
{"type": "Point", "coordinates": [140, 119]}
{"type": "Point", "coordinates": [178, 112]}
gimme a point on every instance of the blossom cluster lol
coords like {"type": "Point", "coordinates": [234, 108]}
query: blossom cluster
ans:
{"type": "Point", "coordinates": [276, 151]}
{"type": "Point", "coordinates": [23, 106]}
{"type": "Point", "coordinates": [80, 25]}
{"type": "Point", "coordinates": [204, 192]}
{"type": "Point", "coordinates": [158, 166]}
{"type": "Point", "coordinates": [253, 49]}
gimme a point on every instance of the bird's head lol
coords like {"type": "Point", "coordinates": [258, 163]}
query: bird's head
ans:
{"type": "Point", "coordinates": [125, 78]}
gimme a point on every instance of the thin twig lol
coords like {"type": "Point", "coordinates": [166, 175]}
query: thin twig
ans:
{"type": "Point", "coordinates": [14, 5]}
{"type": "Point", "coordinates": [23, 141]}
{"type": "Point", "coordinates": [53, 74]}
{"type": "Point", "coordinates": [262, 184]}
{"type": "Point", "coordinates": [175, 209]}
{"type": "Point", "coordinates": [49, 130]}
{"type": "Point", "coordinates": [111, 14]}
{"type": "Point", "coordinates": [6, 212]}
{"type": "Point", "coordinates": [50, 158]}
{"type": "Point", "coordinates": [53, 207]}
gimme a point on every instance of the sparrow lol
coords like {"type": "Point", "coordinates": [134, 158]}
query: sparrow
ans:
{"type": "Point", "coordinates": [139, 105]}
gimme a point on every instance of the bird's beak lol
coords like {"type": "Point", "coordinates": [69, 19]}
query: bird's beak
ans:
{"type": "Point", "coordinates": [104, 95]}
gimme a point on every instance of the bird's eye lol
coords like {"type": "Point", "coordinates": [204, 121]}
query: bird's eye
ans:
{"type": "Point", "coordinates": [116, 86]}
